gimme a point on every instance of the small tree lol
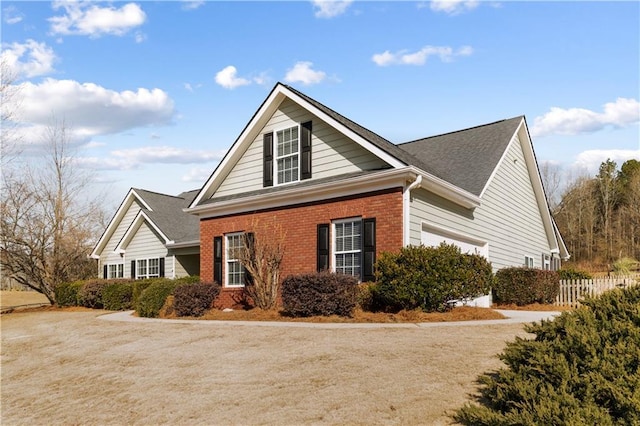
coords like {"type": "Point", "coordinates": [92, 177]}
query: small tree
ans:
{"type": "Point", "coordinates": [261, 258]}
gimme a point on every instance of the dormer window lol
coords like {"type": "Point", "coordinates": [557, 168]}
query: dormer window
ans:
{"type": "Point", "coordinates": [287, 155]}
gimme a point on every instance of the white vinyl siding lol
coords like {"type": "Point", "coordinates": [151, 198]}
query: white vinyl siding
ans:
{"type": "Point", "coordinates": [509, 218]}
{"type": "Point", "coordinates": [108, 255]}
{"type": "Point", "coordinates": [147, 244]}
{"type": "Point", "coordinates": [331, 153]}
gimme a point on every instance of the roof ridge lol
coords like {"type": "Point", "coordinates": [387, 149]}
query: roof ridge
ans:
{"type": "Point", "coordinates": [163, 194]}
{"type": "Point", "coordinates": [461, 130]}
{"type": "Point", "coordinates": [299, 93]}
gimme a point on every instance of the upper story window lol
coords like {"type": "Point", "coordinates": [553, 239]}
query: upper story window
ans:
{"type": "Point", "coordinates": [287, 155]}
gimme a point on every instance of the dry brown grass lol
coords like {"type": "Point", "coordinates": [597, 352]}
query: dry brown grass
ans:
{"type": "Point", "coordinates": [62, 367]}
{"type": "Point", "coordinates": [16, 298]}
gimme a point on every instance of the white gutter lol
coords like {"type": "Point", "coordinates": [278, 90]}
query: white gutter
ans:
{"type": "Point", "coordinates": [406, 209]}
{"type": "Point", "coordinates": [194, 243]}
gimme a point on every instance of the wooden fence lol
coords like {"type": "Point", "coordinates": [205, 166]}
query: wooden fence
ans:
{"type": "Point", "coordinates": [573, 291]}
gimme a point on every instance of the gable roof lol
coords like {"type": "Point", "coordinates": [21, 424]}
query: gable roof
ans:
{"type": "Point", "coordinates": [466, 158]}
{"type": "Point", "coordinates": [165, 212]}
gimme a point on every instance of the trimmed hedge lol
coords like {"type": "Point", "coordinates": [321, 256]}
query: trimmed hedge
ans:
{"type": "Point", "coordinates": [138, 287]}
{"type": "Point", "coordinates": [118, 296]}
{"type": "Point", "coordinates": [428, 277]}
{"type": "Point", "coordinates": [153, 297]}
{"type": "Point", "coordinates": [319, 294]}
{"type": "Point", "coordinates": [67, 293]}
{"type": "Point", "coordinates": [90, 294]}
{"type": "Point", "coordinates": [573, 274]}
{"type": "Point", "coordinates": [581, 369]}
{"type": "Point", "coordinates": [524, 286]}
{"type": "Point", "coordinates": [193, 300]}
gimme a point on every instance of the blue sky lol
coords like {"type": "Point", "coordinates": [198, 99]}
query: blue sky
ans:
{"type": "Point", "coordinates": [156, 92]}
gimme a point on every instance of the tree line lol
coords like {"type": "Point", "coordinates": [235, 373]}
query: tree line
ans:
{"type": "Point", "coordinates": [599, 217]}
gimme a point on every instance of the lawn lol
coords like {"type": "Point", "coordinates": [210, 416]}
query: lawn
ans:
{"type": "Point", "coordinates": [65, 367]}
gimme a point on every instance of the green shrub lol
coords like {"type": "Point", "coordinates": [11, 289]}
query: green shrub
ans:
{"type": "Point", "coordinates": [67, 293]}
{"type": "Point", "coordinates": [319, 294]}
{"type": "Point", "coordinates": [573, 274]}
{"type": "Point", "coordinates": [524, 286]}
{"type": "Point", "coordinates": [193, 300]}
{"type": "Point", "coordinates": [153, 297]}
{"type": "Point", "coordinates": [428, 277]}
{"type": "Point", "coordinates": [90, 294]}
{"type": "Point", "coordinates": [138, 287]}
{"type": "Point", "coordinates": [118, 296]}
{"type": "Point", "coordinates": [189, 279]}
{"type": "Point", "coordinates": [582, 368]}
{"type": "Point", "coordinates": [365, 296]}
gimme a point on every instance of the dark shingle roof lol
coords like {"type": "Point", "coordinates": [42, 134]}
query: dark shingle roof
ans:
{"type": "Point", "coordinates": [465, 158]}
{"type": "Point", "coordinates": [166, 212]}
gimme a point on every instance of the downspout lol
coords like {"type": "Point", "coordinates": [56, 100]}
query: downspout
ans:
{"type": "Point", "coordinates": [406, 209]}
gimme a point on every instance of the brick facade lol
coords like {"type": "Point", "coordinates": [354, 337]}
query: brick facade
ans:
{"type": "Point", "coordinates": [297, 226]}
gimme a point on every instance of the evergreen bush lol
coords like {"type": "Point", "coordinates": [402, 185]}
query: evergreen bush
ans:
{"type": "Point", "coordinates": [582, 368]}
{"type": "Point", "coordinates": [319, 294]}
{"type": "Point", "coordinates": [573, 274]}
{"type": "Point", "coordinates": [67, 293]}
{"type": "Point", "coordinates": [153, 297]}
{"type": "Point", "coordinates": [524, 286]}
{"type": "Point", "coordinates": [193, 300]}
{"type": "Point", "coordinates": [90, 294]}
{"type": "Point", "coordinates": [428, 277]}
{"type": "Point", "coordinates": [118, 295]}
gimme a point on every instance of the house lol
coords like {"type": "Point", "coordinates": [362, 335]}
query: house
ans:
{"type": "Point", "coordinates": [150, 236]}
{"type": "Point", "coordinates": [338, 195]}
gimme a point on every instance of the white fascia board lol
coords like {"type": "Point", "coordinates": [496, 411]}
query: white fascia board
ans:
{"type": "Point", "coordinates": [385, 179]}
{"type": "Point", "coordinates": [115, 221]}
{"type": "Point", "coordinates": [260, 119]}
{"type": "Point", "coordinates": [140, 218]}
{"type": "Point", "coordinates": [536, 182]}
{"type": "Point", "coordinates": [184, 244]}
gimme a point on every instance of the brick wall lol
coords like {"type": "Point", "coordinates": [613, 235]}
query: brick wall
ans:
{"type": "Point", "coordinates": [297, 226]}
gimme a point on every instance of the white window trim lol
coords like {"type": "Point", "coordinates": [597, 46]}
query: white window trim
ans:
{"type": "Point", "coordinates": [147, 275]}
{"type": "Point", "coordinates": [225, 249]}
{"type": "Point", "coordinates": [546, 263]}
{"type": "Point", "coordinates": [334, 252]}
{"type": "Point", "coordinates": [119, 271]}
{"type": "Point", "coordinates": [528, 261]}
{"type": "Point", "coordinates": [276, 181]}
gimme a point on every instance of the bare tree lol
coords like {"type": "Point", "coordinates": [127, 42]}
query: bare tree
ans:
{"type": "Point", "coordinates": [261, 257]}
{"type": "Point", "coordinates": [551, 175]}
{"type": "Point", "coordinates": [47, 225]}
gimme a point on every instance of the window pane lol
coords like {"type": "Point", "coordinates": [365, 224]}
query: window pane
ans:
{"type": "Point", "coordinates": [348, 247]}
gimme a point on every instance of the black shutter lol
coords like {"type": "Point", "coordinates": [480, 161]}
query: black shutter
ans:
{"type": "Point", "coordinates": [217, 260]}
{"type": "Point", "coordinates": [368, 249]}
{"type": "Point", "coordinates": [305, 150]}
{"type": "Point", "coordinates": [323, 247]}
{"type": "Point", "coordinates": [162, 266]}
{"type": "Point", "coordinates": [267, 159]}
{"type": "Point", "coordinates": [133, 269]}
{"type": "Point", "coordinates": [104, 272]}
{"type": "Point", "coordinates": [250, 241]}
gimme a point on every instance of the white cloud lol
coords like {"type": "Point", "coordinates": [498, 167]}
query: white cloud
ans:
{"type": "Point", "coordinates": [135, 158]}
{"type": "Point", "coordinates": [197, 174]}
{"type": "Point", "coordinates": [590, 160]}
{"type": "Point", "coordinates": [12, 15]}
{"type": "Point", "coordinates": [92, 110]}
{"type": "Point", "coordinates": [404, 57]}
{"type": "Point", "coordinates": [453, 7]}
{"type": "Point", "coordinates": [29, 59]}
{"type": "Point", "coordinates": [94, 144]}
{"type": "Point", "coordinates": [140, 37]}
{"type": "Point", "coordinates": [228, 78]}
{"type": "Point", "coordinates": [574, 121]}
{"type": "Point", "coordinates": [302, 73]}
{"type": "Point", "coordinates": [330, 8]}
{"type": "Point", "coordinates": [191, 4]}
{"type": "Point", "coordinates": [87, 18]}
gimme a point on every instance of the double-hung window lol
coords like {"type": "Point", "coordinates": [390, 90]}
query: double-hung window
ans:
{"type": "Point", "coordinates": [235, 270]}
{"type": "Point", "coordinates": [115, 270]}
{"type": "Point", "coordinates": [528, 262]}
{"type": "Point", "coordinates": [147, 268]}
{"type": "Point", "coordinates": [288, 155]}
{"type": "Point", "coordinates": [347, 244]}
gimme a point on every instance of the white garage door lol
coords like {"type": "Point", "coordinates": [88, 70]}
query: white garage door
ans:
{"type": "Point", "coordinates": [432, 236]}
